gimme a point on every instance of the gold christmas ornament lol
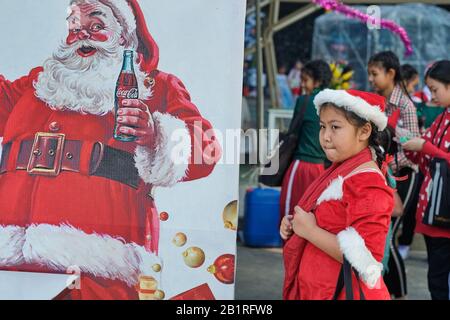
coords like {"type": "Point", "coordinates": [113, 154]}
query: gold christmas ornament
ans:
{"type": "Point", "coordinates": [159, 295]}
{"type": "Point", "coordinates": [230, 216]}
{"type": "Point", "coordinates": [156, 267]}
{"type": "Point", "coordinates": [179, 239]}
{"type": "Point", "coordinates": [194, 257]}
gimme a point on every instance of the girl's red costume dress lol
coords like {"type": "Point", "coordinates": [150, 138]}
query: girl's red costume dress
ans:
{"type": "Point", "coordinates": [355, 205]}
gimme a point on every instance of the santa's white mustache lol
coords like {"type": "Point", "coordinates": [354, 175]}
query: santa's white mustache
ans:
{"type": "Point", "coordinates": [110, 48]}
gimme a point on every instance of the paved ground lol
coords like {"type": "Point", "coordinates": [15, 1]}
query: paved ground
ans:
{"type": "Point", "coordinates": [260, 273]}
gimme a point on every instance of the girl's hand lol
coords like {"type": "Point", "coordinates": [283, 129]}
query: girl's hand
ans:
{"type": "Point", "coordinates": [398, 205]}
{"type": "Point", "coordinates": [303, 223]}
{"type": "Point", "coordinates": [286, 227]}
{"type": "Point", "coordinates": [415, 144]}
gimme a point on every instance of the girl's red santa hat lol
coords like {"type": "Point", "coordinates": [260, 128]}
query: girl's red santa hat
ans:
{"type": "Point", "coordinates": [130, 16]}
{"type": "Point", "coordinates": [368, 106]}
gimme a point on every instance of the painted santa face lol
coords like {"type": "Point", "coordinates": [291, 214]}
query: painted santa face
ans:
{"type": "Point", "coordinates": [90, 24]}
{"type": "Point", "coordinates": [340, 139]}
{"type": "Point", "coordinates": [82, 72]}
{"type": "Point", "coordinates": [440, 92]}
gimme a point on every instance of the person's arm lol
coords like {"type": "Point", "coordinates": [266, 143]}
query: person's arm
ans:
{"type": "Point", "coordinates": [408, 116]}
{"type": "Point", "coordinates": [305, 226]}
{"type": "Point", "coordinates": [11, 92]}
{"type": "Point", "coordinates": [434, 152]}
{"type": "Point", "coordinates": [421, 150]}
{"type": "Point", "coordinates": [398, 206]}
{"type": "Point", "coordinates": [186, 147]}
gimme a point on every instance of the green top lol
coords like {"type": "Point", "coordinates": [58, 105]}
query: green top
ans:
{"type": "Point", "coordinates": [429, 114]}
{"type": "Point", "coordinates": [309, 149]}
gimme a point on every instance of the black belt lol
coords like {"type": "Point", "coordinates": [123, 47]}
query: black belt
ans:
{"type": "Point", "coordinates": [50, 153]}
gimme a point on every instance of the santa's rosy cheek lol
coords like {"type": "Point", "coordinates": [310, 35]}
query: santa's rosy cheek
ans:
{"type": "Point", "coordinates": [71, 38]}
{"type": "Point", "coordinates": [99, 36]}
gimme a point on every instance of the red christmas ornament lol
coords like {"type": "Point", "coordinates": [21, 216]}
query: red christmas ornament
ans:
{"type": "Point", "coordinates": [223, 268]}
{"type": "Point", "coordinates": [163, 216]}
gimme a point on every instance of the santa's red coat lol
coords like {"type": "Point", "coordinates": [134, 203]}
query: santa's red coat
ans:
{"type": "Point", "coordinates": [106, 228]}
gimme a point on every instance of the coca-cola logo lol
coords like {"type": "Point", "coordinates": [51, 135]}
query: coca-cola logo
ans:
{"type": "Point", "coordinates": [127, 94]}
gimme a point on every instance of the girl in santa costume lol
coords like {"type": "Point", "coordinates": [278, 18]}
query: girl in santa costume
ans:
{"type": "Point", "coordinates": [386, 78]}
{"type": "Point", "coordinates": [435, 143]}
{"type": "Point", "coordinates": [346, 211]}
{"type": "Point", "coordinates": [308, 162]}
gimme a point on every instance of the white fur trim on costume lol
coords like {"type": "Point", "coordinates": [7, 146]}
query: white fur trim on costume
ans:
{"type": "Point", "coordinates": [333, 191]}
{"type": "Point", "coordinates": [168, 163]}
{"type": "Point", "coordinates": [342, 98]}
{"type": "Point", "coordinates": [62, 247]}
{"type": "Point", "coordinates": [355, 251]}
{"type": "Point", "coordinates": [122, 11]}
{"type": "Point", "coordinates": [12, 239]}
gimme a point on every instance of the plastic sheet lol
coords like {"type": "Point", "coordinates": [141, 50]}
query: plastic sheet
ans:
{"type": "Point", "coordinates": [338, 38]}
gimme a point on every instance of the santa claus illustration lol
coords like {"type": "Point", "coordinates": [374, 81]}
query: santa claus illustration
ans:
{"type": "Point", "coordinates": [70, 194]}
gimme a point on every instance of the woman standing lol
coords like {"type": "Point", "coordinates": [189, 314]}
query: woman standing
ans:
{"type": "Point", "coordinates": [435, 143]}
{"type": "Point", "coordinates": [386, 78]}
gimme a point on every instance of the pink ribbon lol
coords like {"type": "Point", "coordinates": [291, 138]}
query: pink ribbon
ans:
{"type": "Point", "coordinates": [335, 5]}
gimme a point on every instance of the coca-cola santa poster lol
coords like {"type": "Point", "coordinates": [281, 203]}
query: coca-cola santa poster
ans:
{"type": "Point", "coordinates": [151, 218]}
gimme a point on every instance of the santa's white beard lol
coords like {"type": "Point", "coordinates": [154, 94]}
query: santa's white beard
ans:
{"type": "Point", "coordinates": [84, 84]}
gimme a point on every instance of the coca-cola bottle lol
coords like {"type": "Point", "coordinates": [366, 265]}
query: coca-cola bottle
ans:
{"type": "Point", "coordinates": [126, 88]}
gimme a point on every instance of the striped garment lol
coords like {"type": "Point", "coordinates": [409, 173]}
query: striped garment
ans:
{"type": "Point", "coordinates": [408, 120]}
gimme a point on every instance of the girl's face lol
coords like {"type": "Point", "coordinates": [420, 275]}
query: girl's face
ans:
{"type": "Point", "coordinates": [411, 87]}
{"type": "Point", "coordinates": [380, 79]}
{"type": "Point", "coordinates": [339, 138]}
{"type": "Point", "coordinates": [308, 83]}
{"type": "Point", "coordinates": [440, 92]}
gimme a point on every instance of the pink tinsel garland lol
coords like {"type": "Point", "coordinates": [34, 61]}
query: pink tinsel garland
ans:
{"type": "Point", "coordinates": [335, 5]}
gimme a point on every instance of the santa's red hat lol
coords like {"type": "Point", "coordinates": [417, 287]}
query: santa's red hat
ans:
{"type": "Point", "coordinates": [368, 106]}
{"type": "Point", "coordinates": [130, 16]}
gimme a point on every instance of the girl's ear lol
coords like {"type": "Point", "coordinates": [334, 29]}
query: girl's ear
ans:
{"type": "Point", "coordinates": [391, 73]}
{"type": "Point", "coordinates": [364, 132]}
{"type": "Point", "coordinates": [317, 84]}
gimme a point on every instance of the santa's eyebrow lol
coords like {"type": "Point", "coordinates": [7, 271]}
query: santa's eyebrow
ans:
{"type": "Point", "coordinates": [73, 17]}
{"type": "Point", "coordinates": [97, 13]}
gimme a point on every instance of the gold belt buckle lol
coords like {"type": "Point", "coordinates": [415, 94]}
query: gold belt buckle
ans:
{"type": "Point", "coordinates": [51, 154]}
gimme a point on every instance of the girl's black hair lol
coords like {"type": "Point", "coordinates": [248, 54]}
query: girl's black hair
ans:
{"type": "Point", "coordinates": [319, 71]}
{"type": "Point", "coordinates": [440, 71]}
{"type": "Point", "coordinates": [389, 60]}
{"type": "Point", "coordinates": [408, 72]}
{"type": "Point", "coordinates": [378, 140]}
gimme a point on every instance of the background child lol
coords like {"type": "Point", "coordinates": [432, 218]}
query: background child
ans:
{"type": "Point", "coordinates": [308, 162]}
{"type": "Point", "coordinates": [435, 143]}
{"type": "Point", "coordinates": [386, 78]}
{"type": "Point", "coordinates": [425, 114]}
{"type": "Point", "coordinates": [346, 211]}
